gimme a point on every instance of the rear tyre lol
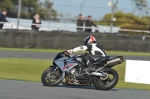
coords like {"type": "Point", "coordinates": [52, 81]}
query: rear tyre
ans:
{"type": "Point", "coordinates": [106, 83]}
{"type": "Point", "coordinates": [51, 76]}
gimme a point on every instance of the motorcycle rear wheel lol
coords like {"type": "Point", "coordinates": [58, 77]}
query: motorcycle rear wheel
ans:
{"type": "Point", "coordinates": [108, 83]}
{"type": "Point", "coordinates": [51, 76]}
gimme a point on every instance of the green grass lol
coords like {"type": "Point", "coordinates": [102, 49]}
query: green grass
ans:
{"type": "Point", "coordinates": [122, 84]}
{"type": "Point", "coordinates": [22, 69]}
{"type": "Point", "coordinates": [31, 70]}
{"type": "Point", "coordinates": [60, 50]}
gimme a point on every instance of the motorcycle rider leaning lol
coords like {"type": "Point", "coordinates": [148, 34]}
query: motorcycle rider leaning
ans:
{"type": "Point", "coordinates": [90, 45]}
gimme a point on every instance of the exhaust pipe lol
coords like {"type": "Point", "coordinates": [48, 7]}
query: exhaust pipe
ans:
{"type": "Point", "coordinates": [103, 76]}
{"type": "Point", "coordinates": [98, 74]}
{"type": "Point", "coordinates": [115, 61]}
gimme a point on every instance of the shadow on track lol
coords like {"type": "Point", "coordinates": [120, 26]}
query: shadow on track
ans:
{"type": "Point", "coordinates": [82, 87]}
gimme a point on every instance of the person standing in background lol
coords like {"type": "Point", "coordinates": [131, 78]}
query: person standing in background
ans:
{"type": "Point", "coordinates": [80, 23]}
{"type": "Point", "coordinates": [2, 18]}
{"type": "Point", "coordinates": [88, 24]}
{"type": "Point", "coordinates": [36, 22]}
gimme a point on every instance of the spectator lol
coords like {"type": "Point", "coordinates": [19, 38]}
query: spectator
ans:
{"type": "Point", "coordinates": [2, 18]}
{"type": "Point", "coordinates": [89, 23]}
{"type": "Point", "coordinates": [80, 23]}
{"type": "Point", "coordinates": [36, 22]}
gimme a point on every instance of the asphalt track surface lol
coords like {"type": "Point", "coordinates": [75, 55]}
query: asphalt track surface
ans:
{"type": "Point", "coordinates": [48, 55]}
{"type": "Point", "coordinates": [10, 89]}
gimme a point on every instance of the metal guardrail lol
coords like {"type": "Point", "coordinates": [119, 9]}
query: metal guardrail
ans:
{"type": "Point", "coordinates": [60, 26]}
{"type": "Point", "coordinates": [134, 30]}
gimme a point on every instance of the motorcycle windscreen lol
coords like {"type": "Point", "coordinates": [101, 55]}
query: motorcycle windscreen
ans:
{"type": "Point", "coordinates": [58, 56]}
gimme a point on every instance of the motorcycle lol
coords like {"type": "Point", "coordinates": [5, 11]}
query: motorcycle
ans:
{"type": "Point", "coordinates": [68, 70]}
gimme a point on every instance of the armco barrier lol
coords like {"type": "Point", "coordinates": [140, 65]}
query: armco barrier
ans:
{"type": "Point", "coordinates": [66, 40]}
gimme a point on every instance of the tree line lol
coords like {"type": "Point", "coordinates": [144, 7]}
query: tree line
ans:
{"type": "Point", "coordinates": [138, 19]}
{"type": "Point", "coordinates": [125, 19]}
{"type": "Point", "coordinates": [29, 8]}
{"type": "Point", "coordinates": [46, 12]}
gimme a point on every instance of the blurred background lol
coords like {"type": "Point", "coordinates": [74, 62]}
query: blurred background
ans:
{"type": "Point", "coordinates": [119, 15]}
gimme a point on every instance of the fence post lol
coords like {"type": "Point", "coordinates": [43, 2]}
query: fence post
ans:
{"type": "Point", "coordinates": [58, 28]}
{"type": "Point", "coordinates": [19, 10]}
{"type": "Point", "coordinates": [113, 5]}
{"type": "Point", "coordinates": [11, 26]}
{"type": "Point", "coordinates": [81, 6]}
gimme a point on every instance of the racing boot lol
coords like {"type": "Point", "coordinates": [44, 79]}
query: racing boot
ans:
{"type": "Point", "coordinates": [89, 69]}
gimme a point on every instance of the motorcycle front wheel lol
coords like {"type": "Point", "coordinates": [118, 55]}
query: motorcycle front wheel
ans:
{"type": "Point", "coordinates": [108, 82]}
{"type": "Point", "coordinates": [52, 76]}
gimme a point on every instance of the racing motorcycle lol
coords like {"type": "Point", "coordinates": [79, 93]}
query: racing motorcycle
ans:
{"type": "Point", "coordinates": [68, 70]}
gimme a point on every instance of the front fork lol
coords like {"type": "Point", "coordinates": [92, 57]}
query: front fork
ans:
{"type": "Point", "coordinates": [62, 77]}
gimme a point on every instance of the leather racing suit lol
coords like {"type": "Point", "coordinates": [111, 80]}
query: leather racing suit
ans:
{"type": "Point", "coordinates": [93, 48]}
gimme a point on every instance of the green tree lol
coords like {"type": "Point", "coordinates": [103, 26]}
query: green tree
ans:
{"type": "Point", "coordinates": [124, 19]}
{"type": "Point", "coordinates": [7, 5]}
{"type": "Point", "coordinates": [29, 8]}
{"type": "Point", "coordinates": [141, 6]}
{"type": "Point", "coordinates": [46, 11]}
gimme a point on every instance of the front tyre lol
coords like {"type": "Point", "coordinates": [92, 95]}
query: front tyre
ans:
{"type": "Point", "coordinates": [51, 76]}
{"type": "Point", "coordinates": [107, 83]}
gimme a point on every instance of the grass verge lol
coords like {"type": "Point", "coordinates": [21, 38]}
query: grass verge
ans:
{"type": "Point", "coordinates": [22, 69]}
{"type": "Point", "coordinates": [60, 50]}
{"type": "Point", "coordinates": [122, 84]}
{"type": "Point", "coordinates": [31, 70]}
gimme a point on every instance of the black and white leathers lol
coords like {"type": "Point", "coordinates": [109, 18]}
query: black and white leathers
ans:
{"type": "Point", "coordinates": [93, 48]}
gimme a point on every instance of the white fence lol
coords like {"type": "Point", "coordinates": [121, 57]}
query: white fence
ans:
{"type": "Point", "coordinates": [51, 25]}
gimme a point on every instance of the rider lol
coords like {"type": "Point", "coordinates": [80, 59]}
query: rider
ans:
{"type": "Point", "coordinates": [90, 45]}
